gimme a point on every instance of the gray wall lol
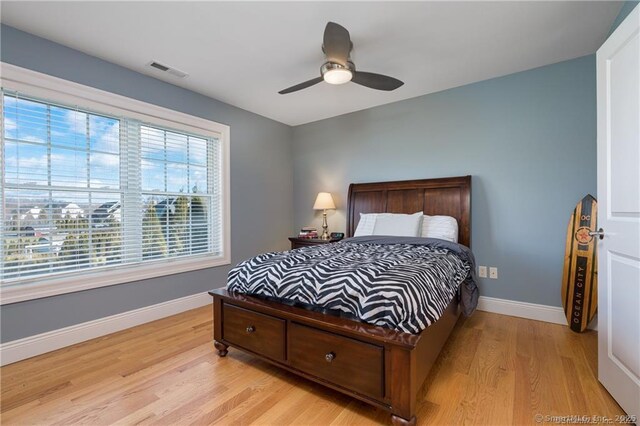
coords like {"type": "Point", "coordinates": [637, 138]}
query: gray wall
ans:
{"type": "Point", "coordinates": [261, 186]}
{"type": "Point", "coordinates": [528, 139]}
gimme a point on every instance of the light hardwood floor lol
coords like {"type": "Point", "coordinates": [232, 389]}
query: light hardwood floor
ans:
{"type": "Point", "coordinates": [494, 370]}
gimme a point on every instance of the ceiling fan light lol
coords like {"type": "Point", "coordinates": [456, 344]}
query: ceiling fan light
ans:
{"type": "Point", "coordinates": [338, 76]}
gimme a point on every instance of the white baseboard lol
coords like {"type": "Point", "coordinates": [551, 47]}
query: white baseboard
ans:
{"type": "Point", "coordinates": [17, 350]}
{"type": "Point", "coordinates": [31, 346]}
{"type": "Point", "coordinates": [552, 314]}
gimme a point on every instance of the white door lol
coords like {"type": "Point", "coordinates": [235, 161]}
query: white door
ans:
{"type": "Point", "coordinates": [618, 70]}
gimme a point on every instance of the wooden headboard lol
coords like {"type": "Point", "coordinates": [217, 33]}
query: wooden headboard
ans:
{"type": "Point", "coordinates": [444, 196]}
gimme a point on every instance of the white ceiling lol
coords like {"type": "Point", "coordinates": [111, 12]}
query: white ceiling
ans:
{"type": "Point", "coordinates": [243, 53]}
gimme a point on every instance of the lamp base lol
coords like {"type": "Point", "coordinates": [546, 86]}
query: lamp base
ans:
{"type": "Point", "coordinates": [325, 234]}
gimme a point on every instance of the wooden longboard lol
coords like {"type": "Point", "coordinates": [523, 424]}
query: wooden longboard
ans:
{"type": "Point", "coordinates": [580, 276]}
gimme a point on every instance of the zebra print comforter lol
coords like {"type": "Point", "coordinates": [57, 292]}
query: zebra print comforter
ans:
{"type": "Point", "coordinates": [397, 282]}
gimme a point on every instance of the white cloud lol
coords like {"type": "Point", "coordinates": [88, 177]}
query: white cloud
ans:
{"type": "Point", "coordinates": [105, 160]}
{"type": "Point", "coordinates": [39, 161]}
{"type": "Point", "coordinates": [149, 165]}
{"type": "Point", "coordinates": [27, 162]}
{"type": "Point", "coordinates": [108, 134]}
{"type": "Point", "coordinates": [77, 121]}
{"type": "Point", "coordinates": [153, 141]}
{"type": "Point", "coordinates": [9, 124]}
{"type": "Point", "coordinates": [30, 138]}
{"type": "Point", "coordinates": [104, 132]}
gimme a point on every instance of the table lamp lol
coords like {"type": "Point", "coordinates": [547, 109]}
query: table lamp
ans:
{"type": "Point", "coordinates": [324, 202]}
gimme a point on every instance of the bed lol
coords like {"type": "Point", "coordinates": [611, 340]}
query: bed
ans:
{"type": "Point", "coordinates": [378, 365]}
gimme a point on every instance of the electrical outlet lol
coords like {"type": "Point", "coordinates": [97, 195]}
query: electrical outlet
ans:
{"type": "Point", "coordinates": [493, 272]}
{"type": "Point", "coordinates": [482, 271]}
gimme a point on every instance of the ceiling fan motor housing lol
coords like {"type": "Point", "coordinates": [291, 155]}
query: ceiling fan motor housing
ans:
{"type": "Point", "coordinates": [327, 66]}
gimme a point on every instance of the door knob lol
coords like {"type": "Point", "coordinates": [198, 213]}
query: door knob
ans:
{"type": "Point", "coordinates": [599, 233]}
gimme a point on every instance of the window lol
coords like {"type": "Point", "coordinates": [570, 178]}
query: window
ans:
{"type": "Point", "coordinates": [86, 191]}
{"type": "Point", "coordinates": [178, 194]}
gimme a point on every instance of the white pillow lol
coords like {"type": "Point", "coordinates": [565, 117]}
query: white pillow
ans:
{"type": "Point", "coordinates": [398, 225]}
{"type": "Point", "coordinates": [443, 227]}
{"type": "Point", "coordinates": [366, 224]}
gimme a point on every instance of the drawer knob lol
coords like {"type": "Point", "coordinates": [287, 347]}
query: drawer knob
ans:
{"type": "Point", "coordinates": [330, 357]}
{"type": "Point", "coordinates": [251, 329]}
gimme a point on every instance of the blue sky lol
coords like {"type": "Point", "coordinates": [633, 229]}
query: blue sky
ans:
{"type": "Point", "coordinates": [26, 133]}
{"type": "Point", "coordinates": [186, 160]}
{"type": "Point", "coordinates": [178, 168]}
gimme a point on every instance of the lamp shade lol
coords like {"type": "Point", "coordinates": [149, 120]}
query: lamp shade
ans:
{"type": "Point", "coordinates": [324, 202]}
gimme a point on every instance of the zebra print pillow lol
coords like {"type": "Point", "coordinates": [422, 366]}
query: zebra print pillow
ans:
{"type": "Point", "coordinates": [401, 283]}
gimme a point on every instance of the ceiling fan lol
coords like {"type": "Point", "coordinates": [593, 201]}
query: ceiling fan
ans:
{"type": "Point", "coordinates": [339, 69]}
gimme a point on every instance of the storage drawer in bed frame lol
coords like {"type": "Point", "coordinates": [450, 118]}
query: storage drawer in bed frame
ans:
{"type": "Point", "coordinates": [256, 332]}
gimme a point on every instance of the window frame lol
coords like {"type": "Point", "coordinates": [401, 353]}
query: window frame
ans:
{"type": "Point", "coordinates": [54, 89]}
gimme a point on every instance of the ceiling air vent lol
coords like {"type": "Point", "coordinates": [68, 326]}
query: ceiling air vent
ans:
{"type": "Point", "coordinates": [169, 70]}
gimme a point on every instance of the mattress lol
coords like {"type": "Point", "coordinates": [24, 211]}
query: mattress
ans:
{"type": "Point", "coordinates": [403, 283]}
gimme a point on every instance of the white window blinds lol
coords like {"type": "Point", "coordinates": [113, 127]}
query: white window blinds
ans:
{"type": "Point", "coordinates": [83, 190]}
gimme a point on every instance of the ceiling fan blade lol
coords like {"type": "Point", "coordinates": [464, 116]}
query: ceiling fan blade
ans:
{"type": "Point", "coordinates": [336, 43]}
{"type": "Point", "coordinates": [301, 86]}
{"type": "Point", "coordinates": [376, 81]}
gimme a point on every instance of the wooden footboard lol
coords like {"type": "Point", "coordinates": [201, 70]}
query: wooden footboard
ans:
{"type": "Point", "coordinates": [383, 367]}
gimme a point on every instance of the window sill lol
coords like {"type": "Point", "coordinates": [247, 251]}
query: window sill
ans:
{"type": "Point", "coordinates": [19, 292]}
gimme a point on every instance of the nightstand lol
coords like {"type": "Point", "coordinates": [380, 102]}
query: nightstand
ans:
{"type": "Point", "coordinates": [304, 242]}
